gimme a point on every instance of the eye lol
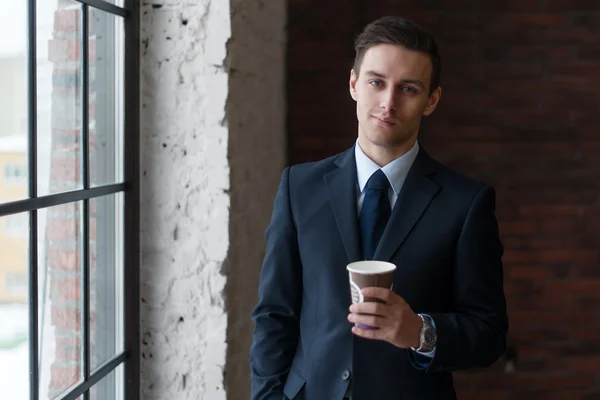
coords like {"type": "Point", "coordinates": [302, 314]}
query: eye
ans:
{"type": "Point", "coordinates": [375, 83]}
{"type": "Point", "coordinates": [408, 89]}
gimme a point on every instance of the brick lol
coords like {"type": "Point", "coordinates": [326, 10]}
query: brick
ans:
{"type": "Point", "coordinates": [513, 243]}
{"type": "Point", "coordinates": [66, 169]}
{"type": "Point", "coordinates": [558, 381]}
{"type": "Point", "coordinates": [531, 20]}
{"type": "Point", "coordinates": [557, 226]}
{"type": "Point", "coordinates": [550, 101]}
{"type": "Point", "coordinates": [66, 318]}
{"type": "Point", "coordinates": [542, 301]}
{"type": "Point", "coordinates": [583, 302]}
{"type": "Point", "coordinates": [573, 286]}
{"type": "Point", "coordinates": [71, 340]}
{"type": "Point", "coordinates": [63, 377]}
{"type": "Point", "coordinates": [535, 363]}
{"type": "Point", "coordinates": [63, 50]}
{"type": "Point", "coordinates": [68, 354]}
{"type": "Point", "coordinates": [590, 148]}
{"type": "Point", "coordinates": [543, 211]}
{"type": "Point", "coordinates": [428, 17]}
{"type": "Point", "coordinates": [571, 394]}
{"type": "Point", "coordinates": [511, 6]}
{"type": "Point", "coordinates": [569, 255]}
{"type": "Point", "coordinates": [584, 270]}
{"type": "Point", "coordinates": [515, 71]}
{"type": "Point", "coordinates": [516, 256]}
{"type": "Point", "coordinates": [69, 289]}
{"type": "Point", "coordinates": [556, 242]}
{"type": "Point", "coordinates": [550, 334]}
{"type": "Point", "coordinates": [518, 227]}
{"type": "Point", "coordinates": [592, 225]}
{"type": "Point", "coordinates": [577, 69]}
{"type": "Point", "coordinates": [539, 352]}
{"type": "Point", "coordinates": [493, 381]}
{"type": "Point", "coordinates": [552, 319]}
{"type": "Point", "coordinates": [572, 5]}
{"type": "Point", "coordinates": [64, 230]}
{"type": "Point", "coordinates": [530, 272]}
{"type": "Point", "coordinates": [586, 333]}
{"type": "Point", "coordinates": [584, 364]}
{"type": "Point", "coordinates": [587, 54]}
{"type": "Point", "coordinates": [478, 394]}
{"type": "Point", "coordinates": [592, 210]}
{"type": "Point", "coordinates": [64, 259]}
{"type": "Point", "coordinates": [67, 21]}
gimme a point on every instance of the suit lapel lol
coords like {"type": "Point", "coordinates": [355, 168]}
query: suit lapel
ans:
{"type": "Point", "coordinates": [414, 198]}
{"type": "Point", "coordinates": [341, 186]}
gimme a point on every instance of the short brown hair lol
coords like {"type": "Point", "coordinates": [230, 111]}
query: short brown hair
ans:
{"type": "Point", "coordinates": [402, 32]}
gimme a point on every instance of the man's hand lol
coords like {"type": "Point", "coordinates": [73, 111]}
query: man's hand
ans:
{"type": "Point", "coordinates": [394, 322]}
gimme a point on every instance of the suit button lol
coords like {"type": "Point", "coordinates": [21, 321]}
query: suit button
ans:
{"type": "Point", "coordinates": [346, 375]}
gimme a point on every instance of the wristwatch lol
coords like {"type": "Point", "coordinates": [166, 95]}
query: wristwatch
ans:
{"type": "Point", "coordinates": [428, 335]}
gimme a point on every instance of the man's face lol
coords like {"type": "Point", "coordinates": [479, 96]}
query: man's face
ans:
{"type": "Point", "coordinates": [392, 94]}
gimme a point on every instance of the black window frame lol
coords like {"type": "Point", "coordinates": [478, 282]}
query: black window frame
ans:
{"type": "Point", "coordinates": [130, 187]}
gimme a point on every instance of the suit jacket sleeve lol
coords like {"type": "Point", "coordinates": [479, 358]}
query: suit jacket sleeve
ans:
{"type": "Point", "coordinates": [475, 334]}
{"type": "Point", "coordinates": [276, 331]}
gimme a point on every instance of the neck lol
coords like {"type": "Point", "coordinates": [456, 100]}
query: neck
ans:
{"type": "Point", "coordinates": [383, 155]}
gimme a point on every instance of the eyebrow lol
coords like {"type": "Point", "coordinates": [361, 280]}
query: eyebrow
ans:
{"type": "Point", "coordinates": [410, 81]}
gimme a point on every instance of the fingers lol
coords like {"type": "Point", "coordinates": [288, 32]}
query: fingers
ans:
{"type": "Point", "coordinates": [365, 319]}
{"type": "Point", "coordinates": [370, 307]}
{"type": "Point", "coordinates": [383, 294]}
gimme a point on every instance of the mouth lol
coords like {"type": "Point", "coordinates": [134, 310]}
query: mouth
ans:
{"type": "Point", "coordinates": [384, 121]}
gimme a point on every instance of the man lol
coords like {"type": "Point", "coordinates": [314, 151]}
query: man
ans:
{"type": "Point", "coordinates": [383, 199]}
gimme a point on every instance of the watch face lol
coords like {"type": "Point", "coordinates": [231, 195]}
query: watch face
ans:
{"type": "Point", "coordinates": [430, 337]}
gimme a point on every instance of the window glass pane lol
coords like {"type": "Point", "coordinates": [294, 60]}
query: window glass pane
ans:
{"type": "Point", "coordinates": [110, 387]}
{"type": "Point", "coordinates": [59, 96]}
{"type": "Point", "coordinates": [106, 278]}
{"type": "Point", "coordinates": [14, 345]}
{"type": "Point", "coordinates": [13, 100]}
{"type": "Point", "coordinates": [118, 3]}
{"type": "Point", "coordinates": [16, 226]}
{"type": "Point", "coordinates": [106, 85]}
{"type": "Point", "coordinates": [60, 317]}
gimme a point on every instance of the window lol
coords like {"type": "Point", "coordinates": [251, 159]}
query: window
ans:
{"type": "Point", "coordinates": [69, 303]}
{"type": "Point", "coordinates": [15, 226]}
{"type": "Point", "coordinates": [15, 284]}
{"type": "Point", "coordinates": [15, 173]}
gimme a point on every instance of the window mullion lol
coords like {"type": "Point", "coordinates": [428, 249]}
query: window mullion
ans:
{"type": "Point", "coordinates": [85, 171]}
{"type": "Point", "coordinates": [34, 363]}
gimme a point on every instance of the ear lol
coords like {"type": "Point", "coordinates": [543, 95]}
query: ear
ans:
{"type": "Point", "coordinates": [433, 101]}
{"type": "Point", "coordinates": [353, 80]}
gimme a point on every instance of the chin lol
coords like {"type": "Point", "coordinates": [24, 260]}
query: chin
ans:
{"type": "Point", "coordinates": [386, 139]}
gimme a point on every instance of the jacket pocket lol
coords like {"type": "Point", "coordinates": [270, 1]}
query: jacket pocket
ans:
{"type": "Point", "coordinates": [293, 384]}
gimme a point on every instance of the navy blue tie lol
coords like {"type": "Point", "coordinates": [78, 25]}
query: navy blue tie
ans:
{"type": "Point", "coordinates": [374, 213]}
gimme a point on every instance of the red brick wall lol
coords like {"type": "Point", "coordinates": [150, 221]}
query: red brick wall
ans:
{"type": "Point", "coordinates": [63, 238]}
{"type": "Point", "coordinates": [520, 110]}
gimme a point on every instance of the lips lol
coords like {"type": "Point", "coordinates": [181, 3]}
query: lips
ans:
{"type": "Point", "coordinates": [385, 120]}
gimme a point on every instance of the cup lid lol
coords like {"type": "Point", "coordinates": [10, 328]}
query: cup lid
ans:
{"type": "Point", "coordinates": [371, 267]}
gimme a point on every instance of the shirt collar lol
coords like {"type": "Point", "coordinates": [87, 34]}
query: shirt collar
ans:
{"type": "Point", "coordinates": [396, 171]}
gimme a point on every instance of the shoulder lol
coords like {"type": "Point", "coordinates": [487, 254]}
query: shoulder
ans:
{"type": "Point", "coordinates": [459, 185]}
{"type": "Point", "coordinates": [316, 170]}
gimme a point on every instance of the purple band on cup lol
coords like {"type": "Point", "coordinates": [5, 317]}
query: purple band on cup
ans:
{"type": "Point", "coordinates": [366, 327]}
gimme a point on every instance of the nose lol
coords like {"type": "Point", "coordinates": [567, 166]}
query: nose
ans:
{"type": "Point", "coordinates": [387, 101]}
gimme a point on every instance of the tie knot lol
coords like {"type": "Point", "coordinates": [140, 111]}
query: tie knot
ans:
{"type": "Point", "coordinates": [378, 181]}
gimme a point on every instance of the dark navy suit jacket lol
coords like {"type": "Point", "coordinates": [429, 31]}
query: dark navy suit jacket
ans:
{"type": "Point", "coordinates": [443, 237]}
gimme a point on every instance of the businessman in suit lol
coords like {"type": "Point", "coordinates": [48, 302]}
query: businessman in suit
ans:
{"type": "Point", "coordinates": [383, 199]}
